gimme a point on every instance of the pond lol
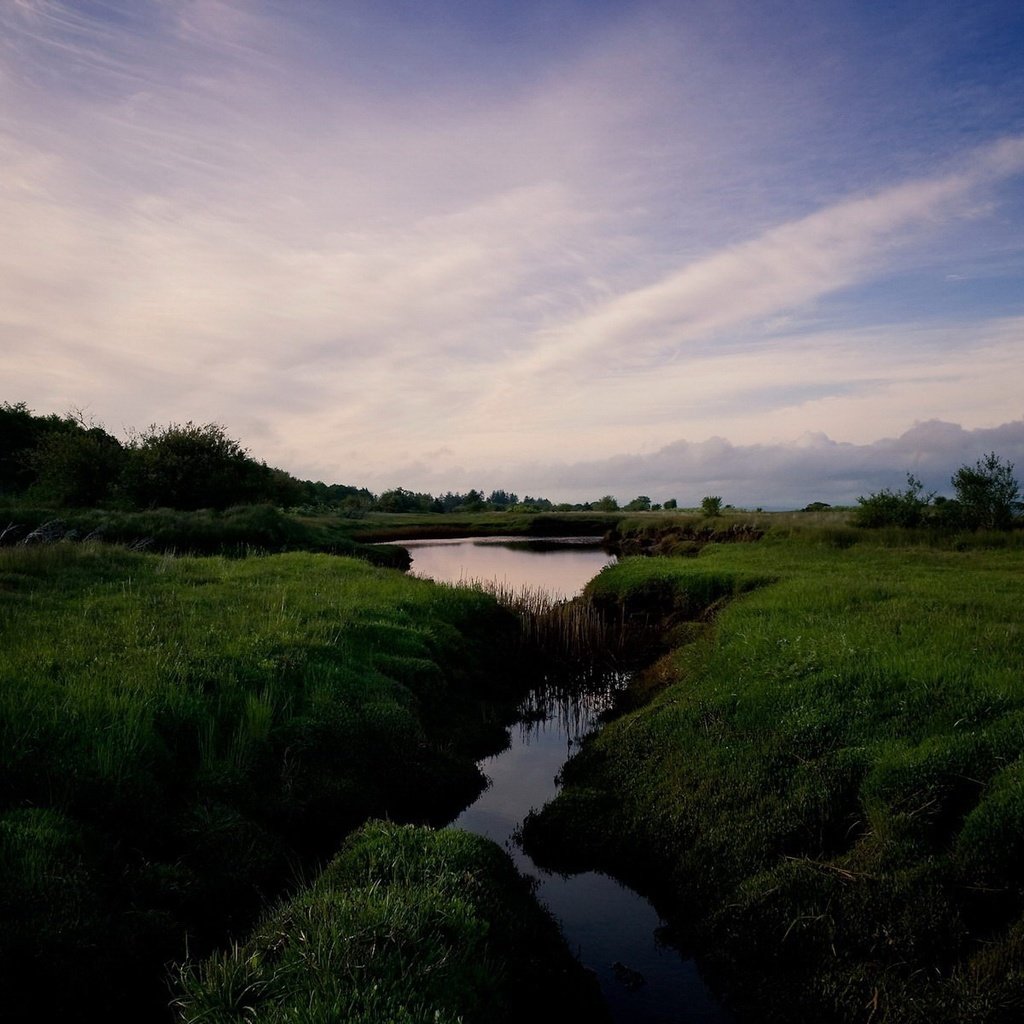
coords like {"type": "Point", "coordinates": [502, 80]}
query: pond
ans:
{"type": "Point", "coordinates": [614, 931]}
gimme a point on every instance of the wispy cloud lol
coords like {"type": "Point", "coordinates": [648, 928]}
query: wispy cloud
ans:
{"type": "Point", "coordinates": [358, 240]}
{"type": "Point", "coordinates": [787, 267]}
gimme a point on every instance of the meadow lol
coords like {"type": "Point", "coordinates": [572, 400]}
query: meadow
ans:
{"type": "Point", "coordinates": [824, 783]}
{"type": "Point", "coordinates": [184, 739]}
{"type": "Point", "coordinates": [819, 778]}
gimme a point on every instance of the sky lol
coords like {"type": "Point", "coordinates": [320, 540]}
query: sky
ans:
{"type": "Point", "coordinates": [770, 250]}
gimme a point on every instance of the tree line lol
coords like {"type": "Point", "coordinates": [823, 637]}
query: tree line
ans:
{"type": "Point", "coordinates": [69, 461]}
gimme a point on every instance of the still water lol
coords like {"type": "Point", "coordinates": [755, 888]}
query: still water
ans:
{"type": "Point", "coordinates": [613, 930]}
{"type": "Point", "coordinates": [561, 565]}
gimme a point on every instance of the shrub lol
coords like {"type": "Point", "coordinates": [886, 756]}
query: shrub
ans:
{"type": "Point", "coordinates": [189, 466]}
{"type": "Point", "coordinates": [711, 505]}
{"type": "Point", "coordinates": [894, 508]}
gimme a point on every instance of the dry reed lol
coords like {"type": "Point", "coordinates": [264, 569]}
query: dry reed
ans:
{"type": "Point", "coordinates": [569, 628]}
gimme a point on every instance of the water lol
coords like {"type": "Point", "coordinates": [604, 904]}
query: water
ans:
{"type": "Point", "coordinates": [560, 565]}
{"type": "Point", "coordinates": [613, 930]}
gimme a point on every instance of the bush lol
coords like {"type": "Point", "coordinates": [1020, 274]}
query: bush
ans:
{"type": "Point", "coordinates": [711, 505]}
{"type": "Point", "coordinates": [188, 466]}
{"type": "Point", "coordinates": [894, 508]}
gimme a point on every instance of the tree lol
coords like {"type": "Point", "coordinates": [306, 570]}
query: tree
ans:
{"type": "Point", "coordinates": [641, 503]}
{"type": "Point", "coordinates": [987, 492]}
{"type": "Point", "coordinates": [401, 500]}
{"type": "Point", "coordinates": [671, 503]}
{"type": "Point", "coordinates": [473, 501]}
{"type": "Point", "coordinates": [711, 505]}
{"type": "Point", "coordinates": [191, 466]}
{"type": "Point", "coordinates": [21, 433]}
{"type": "Point", "coordinates": [502, 499]}
{"type": "Point", "coordinates": [77, 467]}
{"type": "Point", "coordinates": [606, 504]}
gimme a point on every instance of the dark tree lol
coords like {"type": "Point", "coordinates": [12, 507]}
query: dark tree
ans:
{"type": "Point", "coordinates": [21, 433]}
{"type": "Point", "coordinates": [191, 466]}
{"type": "Point", "coordinates": [473, 501]}
{"type": "Point", "coordinates": [711, 505]}
{"type": "Point", "coordinates": [502, 499]}
{"type": "Point", "coordinates": [641, 503]}
{"type": "Point", "coordinates": [987, 493]}
{"type": "Point", "coordinates": [401, 500]}
{"type": "Point", "coordinates": [78, 467]}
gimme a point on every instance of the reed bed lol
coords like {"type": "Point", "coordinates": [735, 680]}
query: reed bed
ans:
{"type": "Point", "coordinates": [575, 631]}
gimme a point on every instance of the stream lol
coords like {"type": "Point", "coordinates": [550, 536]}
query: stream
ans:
{"type": "Point", "coordinates": [613, 930]}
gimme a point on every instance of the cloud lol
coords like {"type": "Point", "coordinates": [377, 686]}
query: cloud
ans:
{"type": "Point", "coordinates": [786, 475]}
{"type": "Point", "coordinates": [362, 239]}
{"type": "Point", "coordinates": [786, 267]}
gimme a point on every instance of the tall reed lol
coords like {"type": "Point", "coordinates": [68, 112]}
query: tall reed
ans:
{"type": "Point", "coordinates": [573, 629]}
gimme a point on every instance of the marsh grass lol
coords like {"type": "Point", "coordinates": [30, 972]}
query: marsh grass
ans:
{"type": "Point", "coordinates": [831, 775]}
{"type": "Point", "coordinates": [176, 732]}
{"type": "Point", "coordinates": [238, 531]}
{"type": "Point", "coordinates": [405, 924]}
{"type": "Point", "coordinates": [570, 631]}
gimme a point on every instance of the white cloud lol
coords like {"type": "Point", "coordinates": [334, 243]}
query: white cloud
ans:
{"type": "Point", "coordinates": [788, 266]}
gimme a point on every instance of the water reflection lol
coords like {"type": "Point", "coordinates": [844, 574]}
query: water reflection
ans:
{"type": "Point", "coordinates": [559, 565]}
{"type": "Point", "coordinates": [572, 710]}
{"type": "Point", "coordinates": [612, 930]}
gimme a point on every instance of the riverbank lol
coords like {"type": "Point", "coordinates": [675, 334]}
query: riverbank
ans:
{"type": "Point", "coordinates": [405, 924]}
{"type": "Point", "coordinates": [182, 739]}
{"type": "Point", "coordinates": [823, 789]}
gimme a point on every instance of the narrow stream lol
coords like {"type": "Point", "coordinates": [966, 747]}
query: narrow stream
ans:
{"type": "Point", "coordinates": [613, 930]}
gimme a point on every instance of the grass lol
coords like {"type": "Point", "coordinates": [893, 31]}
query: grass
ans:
{"type": "Point", "coordinates": [178, 734]}
{"type": "Point", "coordinates": [237, 531]}
{"type": "Point", "coordinates": [393, 526]}
{"type": "Point", "coordinates": [828, 783]}
{"type": "Point", "coordinates": [407, 925]}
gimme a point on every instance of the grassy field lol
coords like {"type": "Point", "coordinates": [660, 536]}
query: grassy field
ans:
{"type": "Point", "coordinates": [238, 531]}
{"type": "Point", "coordinates": [828, 787]}
{"type": "Point", "coordinates": [181, 738]}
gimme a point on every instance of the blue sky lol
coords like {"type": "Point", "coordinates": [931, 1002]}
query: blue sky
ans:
{"type": "Point", "coordinates": [772, 249]}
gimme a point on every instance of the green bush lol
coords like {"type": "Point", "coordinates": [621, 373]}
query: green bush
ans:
{"type": "Point", "coordinates": [894, 508]}
{"type": "Point", "coordinates": [711, 505]}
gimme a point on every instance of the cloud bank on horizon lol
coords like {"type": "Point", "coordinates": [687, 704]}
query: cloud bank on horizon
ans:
{"type": "Point", "coordinates": [396, 243]}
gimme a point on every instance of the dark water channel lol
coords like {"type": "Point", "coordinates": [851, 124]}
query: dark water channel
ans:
{"type": "Point", "coordinates": [613, 930]}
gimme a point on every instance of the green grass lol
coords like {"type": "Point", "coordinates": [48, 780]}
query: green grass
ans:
{"type": "Point", "coordinates": [406, 925]}
{"type": "Point", "coordinates": [178, 734]}
{"type": "Point", "coordinates": [385, 526]}
{"type": "Point", "coordinates": [241, 530]}
{"type": "Point", "coordinates": [830, 778]}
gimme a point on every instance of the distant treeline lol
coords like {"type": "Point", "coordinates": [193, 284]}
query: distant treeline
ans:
{"type": "Point", "coordinates": [70, 462]}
